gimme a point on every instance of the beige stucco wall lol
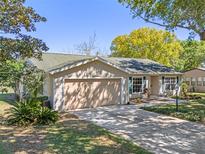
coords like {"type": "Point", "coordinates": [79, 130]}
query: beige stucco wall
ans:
{"type": "Point", "coordinates": [195, 73]}
{"type": "Point", "coordinates": [155, 85]}
{"type": "Point", "coordinates": [95, 69]}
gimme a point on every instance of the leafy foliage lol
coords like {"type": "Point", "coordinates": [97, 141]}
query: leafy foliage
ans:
{"type": "Point", "coordinates": [21, 47]}
{"type": "Point", "coordinates": [188, 14]}
{"type": "Point", "coordinates": [15, 72]}
{"type": "Point", "coordinates": [184, 89]}
{"type": "Point", "coordinates": [33, 80]}
{"type": "Point", "coordinates": [31, 112]}
{"type": "Point", "coordinates": [16, 18]}
{"type": "Point", "coordinates": [158, 45]}
{"type": "Point", "coordinates": [4, 90]}
{"type": "Point", "coordinates": [192, 55]}
{"type": "Point", "coordinates": [10, 73]}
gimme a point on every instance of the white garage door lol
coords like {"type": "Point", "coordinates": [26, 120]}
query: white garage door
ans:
{"type": "Point", "coordinates": [91, 93]}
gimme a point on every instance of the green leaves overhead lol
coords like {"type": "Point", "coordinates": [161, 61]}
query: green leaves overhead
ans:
{"type": "Point", "coordinates": [157, 45]}
{"type": "Point", "coordinates": [188, 14]}
{"type": "Point", "coordinates": [24, 47]}
{"type": "Point", "coordinates": [193, 55]}
{"type": "Point", "coordinates": [16, 18]}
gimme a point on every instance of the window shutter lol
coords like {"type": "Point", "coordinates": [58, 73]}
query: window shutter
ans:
{"type": "Point", "coordinates": [163, 87]}
{"type": "Point", "coordinates": [130, 86]}
{"type": "Point", "coordinates": [144, 84]}
{"type": "Point", "coordinates": [163, 80]}
{"type": "Point", "coordinates": [177, 79]}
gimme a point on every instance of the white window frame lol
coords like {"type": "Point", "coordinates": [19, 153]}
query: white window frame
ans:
{"type": "Point", "coordinates": [199, 81]}
{"type": "Point", "coordinates": [187, 81]}
{"type": "Point", "coordinates": [142, 85]}
{"type": "Point", "coordinates": [170, 82]}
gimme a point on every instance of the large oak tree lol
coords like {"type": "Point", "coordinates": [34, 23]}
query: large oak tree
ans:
{"type": "Point", "coordinates": [188, 14]}
{"type": "Point", "coordinates": [16, 21]}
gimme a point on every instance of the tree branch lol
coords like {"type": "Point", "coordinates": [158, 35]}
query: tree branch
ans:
{"type": "Point", "coordinates": [163, 25]}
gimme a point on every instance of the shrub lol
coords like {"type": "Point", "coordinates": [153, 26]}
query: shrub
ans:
{"type": "Point", "coordinates": [47, 116]}
{"type": "Point", "coordinates": [184, 89]}
{"type": "Point", "coordinates": [4, 90]}
{"type": "Point", "coordinates": [31, 112]}
{"type": "Point", "coordinates": [42, 98]}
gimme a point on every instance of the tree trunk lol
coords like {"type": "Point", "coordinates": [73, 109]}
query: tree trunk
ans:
{"type": "Point", "coordinates": [202, 36]}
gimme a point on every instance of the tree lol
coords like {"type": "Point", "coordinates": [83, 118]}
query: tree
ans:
{"type": "Point", "coordinates": [188, 14]}
{"type": "Point", "coordinates": [32, 79]}
{"type": "Point", "coordinates": [87, 47]}
{"type": "Point", "coordinates": [157, 45]}
{"type": "Point", "coordinates": [14, 73]}
{"type": "Point", "coordinates": [14, 19]}
{"type": "Point", "coordinates": [10, 74]}
{"type": "Point", "coordinates": [192, 55]}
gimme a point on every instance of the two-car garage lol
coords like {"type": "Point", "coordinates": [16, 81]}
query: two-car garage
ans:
{"type": "Point", "coordinates": [89, 85]}
{"type": "Point", "coordinates": [91, 93]}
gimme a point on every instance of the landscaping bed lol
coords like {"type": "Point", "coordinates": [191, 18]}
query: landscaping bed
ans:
{"type": "Point", "coordinates": [193, 110]}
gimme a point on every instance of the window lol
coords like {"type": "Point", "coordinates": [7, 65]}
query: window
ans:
{"type": "Point", "coordinates": [199, 81]}
{"type": "Point", "coordinates": [170, 83]}
{"type": "Point", "coordinates": [137, 83]}
{"type": "Point", "coordinates": [193, 81]}
{"type": "Point", "coordinates": [187, 81]}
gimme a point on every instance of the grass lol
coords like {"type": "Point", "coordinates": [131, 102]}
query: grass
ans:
{"type": "Point", "coordinates": [197, 94]}
{"type": "Point", "coordinates": [69, 135]}
{"type": "Point", "coordinates": [194, 110]}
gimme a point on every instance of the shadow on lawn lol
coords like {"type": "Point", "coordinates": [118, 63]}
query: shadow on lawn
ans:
{"type": "Point", "coordinates": [79, 136]}
{"type": "Point", "coordinates": [70, 135]}
{"type": "Point", "coordinates": [22, 140]}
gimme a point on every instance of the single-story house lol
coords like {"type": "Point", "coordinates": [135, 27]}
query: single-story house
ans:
{"type": "Point", "coordinates": [76, 81]}
{"type": "Point", "coordinates": [195, 79]}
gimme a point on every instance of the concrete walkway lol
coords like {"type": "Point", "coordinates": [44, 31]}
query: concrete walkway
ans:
{"type": "Point", "coordinates": [156, 133]}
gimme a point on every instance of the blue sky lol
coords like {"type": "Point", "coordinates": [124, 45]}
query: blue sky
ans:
{"type": "Point", "coordinates": [71, 22]}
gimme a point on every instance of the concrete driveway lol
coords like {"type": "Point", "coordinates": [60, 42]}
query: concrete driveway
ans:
{"type": "Point", "coordinates": [156, 133]}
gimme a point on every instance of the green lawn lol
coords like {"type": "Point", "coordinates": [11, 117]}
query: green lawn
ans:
{"type": "Point", "coordinates": [193, 110]}
{"type": "Point", "coordinates": [197, 94]}
{"type": "Point", "coordinates": [69, 135]}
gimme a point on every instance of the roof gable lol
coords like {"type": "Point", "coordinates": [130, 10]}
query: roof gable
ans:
{"type": "Point", "coordinates": [67, 66]}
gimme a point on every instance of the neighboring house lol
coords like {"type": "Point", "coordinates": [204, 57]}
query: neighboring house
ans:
{"type": "Point", "coordinates": [195, 79]}
{"type": "Point", "coordinates": [75, 81]}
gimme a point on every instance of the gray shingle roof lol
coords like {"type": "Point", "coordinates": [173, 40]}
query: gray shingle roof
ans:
{"type": "Point", "coordinates": [53, 61]}
{"type": "Point", "coordinates": [141, 65]}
